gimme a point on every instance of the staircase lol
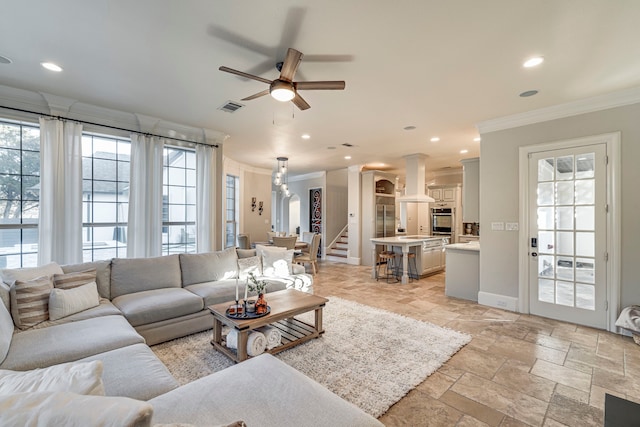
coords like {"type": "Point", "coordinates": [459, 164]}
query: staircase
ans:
{"type": "Point", "coordinates": [338, 252]}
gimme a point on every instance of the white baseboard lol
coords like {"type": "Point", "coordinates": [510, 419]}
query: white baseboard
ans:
{"type": "Point", "coordinates": [498, 301]}
{"type": "Point", "coordinates": [353, 261]}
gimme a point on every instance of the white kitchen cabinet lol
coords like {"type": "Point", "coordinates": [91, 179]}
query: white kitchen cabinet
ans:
{"type": "Point", "coordinates": [471, 190]}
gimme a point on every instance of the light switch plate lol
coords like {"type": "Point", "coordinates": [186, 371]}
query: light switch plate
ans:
{"type": "Point", "coordinates": [512, 226]}
{"type": "Point", "coordinates": [497, 226]}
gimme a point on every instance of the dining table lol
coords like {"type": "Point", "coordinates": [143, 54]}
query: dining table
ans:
{"type": "Point", "coordinates": [300, 245]}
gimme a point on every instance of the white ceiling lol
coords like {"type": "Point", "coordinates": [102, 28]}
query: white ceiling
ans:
{"type": "Point", "coordinates": [441, 66]}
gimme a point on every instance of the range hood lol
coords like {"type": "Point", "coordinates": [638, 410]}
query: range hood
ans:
{"type": "Point", "coordinates": [415, 182]}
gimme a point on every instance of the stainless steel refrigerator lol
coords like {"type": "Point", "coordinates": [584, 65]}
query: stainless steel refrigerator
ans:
{"type": "Point", "coordinates": [385, 220]}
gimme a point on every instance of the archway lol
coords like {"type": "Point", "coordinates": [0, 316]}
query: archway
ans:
{"type": "Point", "coordinates": [294, 214]}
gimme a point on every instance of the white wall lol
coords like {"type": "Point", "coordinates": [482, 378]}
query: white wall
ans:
{"type": "Point", "coordinates": [499, 193]}
{"type": "Point", "coordinates": [337, 200]}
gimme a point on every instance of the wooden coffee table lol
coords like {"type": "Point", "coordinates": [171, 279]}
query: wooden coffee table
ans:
{"type": "Point", "coordinates": [284, 306]}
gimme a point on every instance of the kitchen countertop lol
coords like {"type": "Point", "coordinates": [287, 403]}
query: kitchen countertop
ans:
{"type": "Point", "coordinates": [471, 246]}
{"type": "Point", "coordinates": [399, 240]}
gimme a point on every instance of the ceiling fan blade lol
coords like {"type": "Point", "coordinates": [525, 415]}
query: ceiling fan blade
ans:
{"type": "Point", "coordinates": [320, 85]}
{"type": "Point", "coordinates": [256, 95]}
{"type": "Point", "coordinates": [290, 65]}
{"type": "Point", "coordinates": [300, 103]}
{"type": "Point", "coordinates": [243, 74]}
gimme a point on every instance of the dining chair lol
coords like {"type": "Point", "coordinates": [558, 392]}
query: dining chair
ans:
{"type": "Point", "coordinates": [285, 242]}
{"type": "Point", "coordinates": [307, 237]}
{"type": "Point", "coordinates": [310, 257]}
{"type": "Point", "coordinates": [244, 241]}
{"type": "Point", "coordinates": [271, 235]}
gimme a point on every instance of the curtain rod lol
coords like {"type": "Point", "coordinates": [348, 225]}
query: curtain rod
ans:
{"type": "Point", "coordinates": [106, 126]}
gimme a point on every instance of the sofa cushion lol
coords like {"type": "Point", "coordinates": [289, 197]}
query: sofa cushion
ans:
{"type": "Point", "coordinates": [103, 274]}
{"type": "Point", "coordinates": [10, 275]}
{"type": "Point", "coordinates": [245, 253]}
{"type": "Point", "coordinates": [134, 371]}
{"type": "Point", "coordinates": [152, 306]}
{"type": "Point", "coordinates": [30, 301]}
{"type": "Point", "coordinates": [63, 408]}
{"type": "Point", "coordinates": [208, 267]}
{"type": "Point", "coordinates": [6, 331]}
{"type": "Point", "coordinates": [275, 386]}
{"type": "Point", "coordinates": [5, 295]}
{"type": "Point", "coordinates": [216, 292]}
{"type": "Point", "coordinates": [65, 302]}
{"type": "Point", "coordinates": [37, 348]}
{"type": "Point", "coordinates": [77, 377]}
{"type": "Point", "coordinates": [105, 308]}
{"type": "Point", "coordinates": [144, 274]}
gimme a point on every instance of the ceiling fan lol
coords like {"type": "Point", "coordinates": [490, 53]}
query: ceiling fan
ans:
{"type": "Point", "coordinates": [284, 88]}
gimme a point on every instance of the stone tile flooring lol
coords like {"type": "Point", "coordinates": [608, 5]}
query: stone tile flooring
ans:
{"type": "Point", "coordinates": [519, 370]}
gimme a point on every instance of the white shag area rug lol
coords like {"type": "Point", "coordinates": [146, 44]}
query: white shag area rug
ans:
{"type": "Point", "coordinates": [367, 356]}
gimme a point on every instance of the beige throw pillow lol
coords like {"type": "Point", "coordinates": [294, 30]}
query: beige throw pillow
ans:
{"type": "Point", "coordinates": [276, 261]}
{"type": "Point", "coordinates": [77, 377]}
{"type": "Point", "coordinates": [249, 265]}
{"type": "Point", "coordinates": [65, 302]}
{"type": "Point", "coordinates": [73, 280]}
{"type": "Point", "coordinates": [30, 301]}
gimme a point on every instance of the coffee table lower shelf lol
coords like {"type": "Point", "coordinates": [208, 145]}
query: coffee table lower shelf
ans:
{"type": "Point", "coordinates": [294, 332]}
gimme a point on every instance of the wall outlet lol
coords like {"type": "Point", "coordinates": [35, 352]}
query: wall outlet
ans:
{"type": "Point", "coordinates": [512, 226]}
{"type": "Point", "coordinates": [497, 226]}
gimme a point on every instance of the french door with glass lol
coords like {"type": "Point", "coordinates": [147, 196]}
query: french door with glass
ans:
{"type": "Point", "coordinates": [567, 254]}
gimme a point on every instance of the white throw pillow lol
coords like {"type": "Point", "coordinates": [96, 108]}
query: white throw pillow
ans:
{"type": "Point", "coordinates": [6, 331]}
{"type": "Point", "coordinates": [65, 302]}
{"type": "Point", "coordinates": [276, 261]}
{"type": "Point", "coordinates": [63, 408]}
{"type": "Point", "coordinates": [249, 265]}
{"type": "Point", "coordinates": [77, 377]}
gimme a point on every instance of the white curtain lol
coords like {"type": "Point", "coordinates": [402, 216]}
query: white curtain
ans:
{"type": "Point", "coordinates": [205, 200]}
{"type": "Point", "coordinates": [60, 220]}
{"type": "Point", "coordinates": [144, 233]}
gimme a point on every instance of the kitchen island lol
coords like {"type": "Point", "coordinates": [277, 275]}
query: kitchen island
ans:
{"type": "Point", "coordinates": [428, 250]}
{"type": "Point", "coordinates": [463, 270]}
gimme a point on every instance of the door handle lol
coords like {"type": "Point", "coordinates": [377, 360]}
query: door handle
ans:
{"type": "Point", "coordinates": [534, 254]}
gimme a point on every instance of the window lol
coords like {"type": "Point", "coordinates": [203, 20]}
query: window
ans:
{"type": "Point", "coordinates": [231, 226]}
{"type": "Point", "coordinates": [105, 196]}
{"type": "Point", "coordinates": [178, 201]}
{"type": "Point", "coordinates": [19, 194]}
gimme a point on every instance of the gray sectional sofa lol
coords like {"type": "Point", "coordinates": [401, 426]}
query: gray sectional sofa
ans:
{"type": "Point", "coordinates": [147, 301]}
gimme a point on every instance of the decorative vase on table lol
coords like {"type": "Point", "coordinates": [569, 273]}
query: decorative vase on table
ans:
{"type": "Point", "coordinates": [261, 304]}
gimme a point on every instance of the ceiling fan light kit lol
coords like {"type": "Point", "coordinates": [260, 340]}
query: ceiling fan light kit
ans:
{"type": "Point", "coordinates": [281, 90]}
{"type": "Point", "coordinates": [284, 88]}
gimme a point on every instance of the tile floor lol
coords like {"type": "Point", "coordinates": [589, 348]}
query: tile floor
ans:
{"type": "Point", "coordinates": [519, 370]}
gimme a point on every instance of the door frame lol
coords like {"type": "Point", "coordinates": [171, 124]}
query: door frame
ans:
{"type": "Point", "coordinates": [612, 142]}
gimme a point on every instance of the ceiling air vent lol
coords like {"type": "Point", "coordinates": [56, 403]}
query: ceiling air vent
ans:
{"type": "Point", "coordinates": [230, 107]}
{"type": "Point", "coordinates": [346, 144]}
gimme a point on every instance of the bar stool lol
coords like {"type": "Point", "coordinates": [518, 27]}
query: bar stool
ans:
{"type": "Point", "coordinates": [390, 270]}
{"type": "Point", "coordinates": [411, 267]}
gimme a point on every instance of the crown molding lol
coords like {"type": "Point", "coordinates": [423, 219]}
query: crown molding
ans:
{"type": "Point", "coordinates": [304, 177]}
{"type": "Point", "coordinates": [574, 108]}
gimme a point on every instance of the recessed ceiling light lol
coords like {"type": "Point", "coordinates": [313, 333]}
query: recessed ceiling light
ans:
{"type": "Point", "coordinates": [532, 62]}
{"type": "Point", "coordinates": [477, 139]}
{"type": "Point", "coordinates": [5, 60]}
{"type": "Point", "coordinates": [528, 93]}
{"type": "Point", "coordinates": [51, 66]}
{"type": "Point", "coordinates": [464, 151]}
{"type": "Point", "coordinates": [347, 157]}
{"type": "Point", "coordinates": [435, 139]}
{"type": "Point", "coordinates": [306, 136]}
{"type": "Point", "coordinates": [409, 127]}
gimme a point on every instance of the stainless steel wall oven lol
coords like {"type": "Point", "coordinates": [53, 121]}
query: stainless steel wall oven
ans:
{"type": "Point", "coordinates": [442, 221]}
